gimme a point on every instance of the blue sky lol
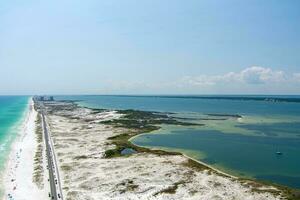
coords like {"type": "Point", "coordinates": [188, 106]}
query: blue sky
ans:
{"type": "Point", "coordinates": [149, 47]}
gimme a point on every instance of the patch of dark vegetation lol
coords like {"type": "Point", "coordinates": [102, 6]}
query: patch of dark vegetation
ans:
{"type": "Point", "coordinates": [65, 188]}
{"type": "Point", "coordinates": [125, 123]}
{"type": "Point", "coordinates": [138, 114]}
{"type": "Point", "coordinates": [81, 157]}
{"type": "Point", "coordinates": [287, 192]}
{"type": "Point", "coordinates": [97, 110]}
{"type": "Point", "coordinates": [88, 120]}
{"type": "Point", "coordinates": [145, 120]}
{"type": "Point", "coordinates": [71, 195]}
{"type": "Point", "coordinates": [119, 137]}
{"type": "Point", "coordinates": [170, 190]}
{"type": "Point", "coordinates": [195, 165]}
{"type": "Point", "coordinates": [292, 194]}
{"type": "Point", "coordinates": [132, 187]}
{"type": "Point", "coordinates": [225, 115]}
{"type": "Point", "coordinates": [122, 142]}
{"type": "Point", "coordinates": [112, 153]}
{"type": "Point", "coordinates": [66, 167]}
{"type": "Point", "coordinates": [128, 185]}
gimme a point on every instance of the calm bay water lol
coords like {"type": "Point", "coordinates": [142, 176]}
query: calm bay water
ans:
{"type": "Point", "coordinates": [12, 110]}
{"type": "Point", "coordinates": [244, 147]}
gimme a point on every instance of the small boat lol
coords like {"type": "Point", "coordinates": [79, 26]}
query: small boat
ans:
{"type": "Point", "coordinates": [279, 153]}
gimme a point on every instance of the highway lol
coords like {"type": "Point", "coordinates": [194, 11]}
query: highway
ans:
{"type": "Point", "coordinates": [51, 162]}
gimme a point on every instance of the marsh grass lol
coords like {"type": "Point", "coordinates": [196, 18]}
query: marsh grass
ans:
{"type": "Point", "coordinates": [171, 189]}
{"type": "Point", "coordinates": [138, 122]}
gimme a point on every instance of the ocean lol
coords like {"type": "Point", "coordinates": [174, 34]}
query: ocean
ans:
{"type": "Point", "coordinates": [244, 147]}
{"type": "Point", "coordinates": [12, 112]}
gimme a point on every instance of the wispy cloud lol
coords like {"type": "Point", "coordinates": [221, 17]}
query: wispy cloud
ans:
{"type": "Point", "coordinates": [251, 80]}
{"type": "Point", "coordinates": [250, 75]}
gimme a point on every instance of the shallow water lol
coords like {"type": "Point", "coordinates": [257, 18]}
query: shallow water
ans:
{"type": "Point", "coordinates": [240, 154]}
{"type": "Point", "coordinates": [244, 147]}
{"type": "Point", "coordinates": [12, 110]}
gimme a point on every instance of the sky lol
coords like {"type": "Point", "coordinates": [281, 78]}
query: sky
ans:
{"type": "Point", "coordinates": [149, 47]}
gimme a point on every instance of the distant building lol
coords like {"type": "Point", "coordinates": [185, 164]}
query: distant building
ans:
{"type": "Point", "coordinates": [43, 98]}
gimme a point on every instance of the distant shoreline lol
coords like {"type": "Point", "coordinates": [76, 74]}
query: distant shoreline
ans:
{"type": "Point", "coordinates": [265, 98]}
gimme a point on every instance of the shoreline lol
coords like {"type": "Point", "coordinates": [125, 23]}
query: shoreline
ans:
{"type": "Point", "coordinates": [220, 171]}
{"type": "Point", "coordinates": [17, 178]}
{"type": "Point", "coordinates": [259, 183]}
{"type": "Point", "coordinates": [185, 155]}
{"type": "Point", "coordinates": [275, 186]}
{"type": "Point", "coordinates": [19, 126]}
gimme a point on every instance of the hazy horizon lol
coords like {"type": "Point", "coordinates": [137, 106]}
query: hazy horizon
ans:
{"type": "Point", "coordinates": [152, 94]}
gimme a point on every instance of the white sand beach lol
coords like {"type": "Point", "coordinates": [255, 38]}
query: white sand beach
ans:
{"type": "Point", "coordinates": [18, 176]}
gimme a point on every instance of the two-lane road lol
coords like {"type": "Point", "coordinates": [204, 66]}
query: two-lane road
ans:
{"type": "Point", "coordinates": [51, 164]}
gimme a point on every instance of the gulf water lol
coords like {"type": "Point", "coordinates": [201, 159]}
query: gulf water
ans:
{"type": "Point", "coordinates": [12, 112]}
{"type": "Point", "coordinates": [243, 147]}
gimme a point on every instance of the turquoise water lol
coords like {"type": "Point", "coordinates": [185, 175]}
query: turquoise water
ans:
{"type": "Point", "coordinates": [12, 110]}
{"type": "Point", "coordinates": [245, 147]}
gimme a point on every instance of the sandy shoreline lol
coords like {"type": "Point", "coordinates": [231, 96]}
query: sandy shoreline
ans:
{"type": "Point", "coordinates": [189, 157]}
{"type": "Point", "coordinates": [18, 174]}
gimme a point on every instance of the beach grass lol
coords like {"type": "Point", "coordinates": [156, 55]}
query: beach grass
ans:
{"type": "Point", "coordinates": [38, 174]}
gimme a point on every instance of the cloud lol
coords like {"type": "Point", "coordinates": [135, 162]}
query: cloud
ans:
{"type": "Point", "coordinates": [251, 80]}
{"type": "Point", "coordinates": [260, 75]}
{"type": "Point", "coordinates": [251, 76]}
